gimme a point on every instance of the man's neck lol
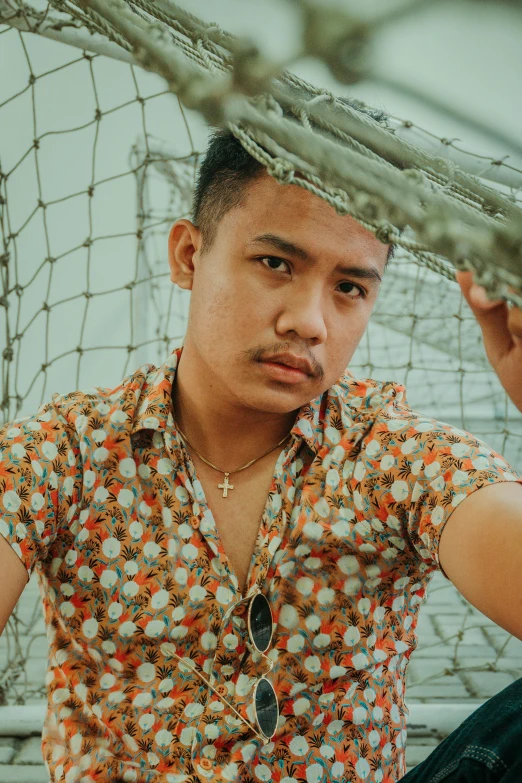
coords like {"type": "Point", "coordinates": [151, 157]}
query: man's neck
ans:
{"type": "Point", "coordinates": [225, 434]}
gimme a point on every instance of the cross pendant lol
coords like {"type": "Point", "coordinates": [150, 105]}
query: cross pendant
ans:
{"type": "Point", "coordinates": [225, 486]}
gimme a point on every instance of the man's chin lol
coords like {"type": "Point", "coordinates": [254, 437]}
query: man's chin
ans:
{"type": "Point", "coordinates": [272, 397]}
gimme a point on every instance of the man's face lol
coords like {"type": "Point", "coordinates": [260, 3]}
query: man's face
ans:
{"type": "Point", "coordinates": [270, 283]}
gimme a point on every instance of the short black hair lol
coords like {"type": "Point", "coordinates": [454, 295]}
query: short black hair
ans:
{"type": "Point", "coordinates": [220, 185]}
{"type": "Point", "coordinates": [225, 170]}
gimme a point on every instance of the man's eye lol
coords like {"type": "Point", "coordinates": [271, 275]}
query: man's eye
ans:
{"type": "Point", "coordinates": [272, 260]}
{"type": "Point", "coordinates": [360, 291]}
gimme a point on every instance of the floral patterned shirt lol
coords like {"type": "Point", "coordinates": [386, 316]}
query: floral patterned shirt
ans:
{"type": "Point", "coordinates": [98, 496]}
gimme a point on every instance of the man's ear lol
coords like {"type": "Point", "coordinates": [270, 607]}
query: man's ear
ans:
{"type": "Point", "coordinates": [184, 245]}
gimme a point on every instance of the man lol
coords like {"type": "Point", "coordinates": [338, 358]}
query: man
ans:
{"type": "Point", "coordinates": [233, 548]}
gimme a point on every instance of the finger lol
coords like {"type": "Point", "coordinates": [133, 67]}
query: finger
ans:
{"type": "Point", "coordinates": [515, 322]}
{"type": "Point", "coordinates": [474, 293]}
{"type": "Point", "coordinates": [492, 318]}
{"type": "Point", "coordinates": [477, 299]}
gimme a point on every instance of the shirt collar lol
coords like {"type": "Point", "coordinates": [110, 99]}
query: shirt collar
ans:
{"type": "Point", "coordinates": [155, 411]}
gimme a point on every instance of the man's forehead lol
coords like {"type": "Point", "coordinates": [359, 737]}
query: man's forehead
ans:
{"type": "Point", "coordinates": [277, 209]}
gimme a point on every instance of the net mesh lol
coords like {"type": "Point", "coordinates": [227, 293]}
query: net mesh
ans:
{"type": "Point", "coordinates": [88, 194]}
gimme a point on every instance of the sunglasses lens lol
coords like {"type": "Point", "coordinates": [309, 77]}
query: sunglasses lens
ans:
{"type": "Point", "coordinates": [261, 622]}
{"type": "Point", "coordinates": [267, 712]}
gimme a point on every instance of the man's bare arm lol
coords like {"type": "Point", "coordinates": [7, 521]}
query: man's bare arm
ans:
{"type": "Point", "coordinates": [13, 579]}
{"type": "Point", "coordinates": [480, 551]}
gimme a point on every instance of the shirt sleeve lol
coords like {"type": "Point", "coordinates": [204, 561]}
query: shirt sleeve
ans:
{"type": "Point", "coordinates": [452, 464]}
{"type": "Point", "coordinates": [40, 481]}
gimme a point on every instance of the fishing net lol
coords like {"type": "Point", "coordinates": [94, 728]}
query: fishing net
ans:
{"type": "Point", "coordinates": [104, 115]}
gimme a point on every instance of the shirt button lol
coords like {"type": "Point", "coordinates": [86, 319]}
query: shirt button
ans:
{"type": "Point", "coordinates": [194, 522]}
{"type": "Point", "coordinates": [240, 609]}
{"type": "Point", "coordinates": [222, 690]}
{"type": "Point", "coordinates": [206, 764]}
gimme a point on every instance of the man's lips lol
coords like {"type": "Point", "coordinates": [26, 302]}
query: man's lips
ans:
{"type": "Point", "coordinates": [282, 372]}
{"type": "Point", "coordinates": [292, 361]}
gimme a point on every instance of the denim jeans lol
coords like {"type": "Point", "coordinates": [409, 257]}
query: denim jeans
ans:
{"type": "Point", "coordinates": [485, 748]}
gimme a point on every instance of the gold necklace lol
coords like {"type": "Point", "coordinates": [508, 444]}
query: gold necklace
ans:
{"type": "Point", "coordinates": [225, 486]}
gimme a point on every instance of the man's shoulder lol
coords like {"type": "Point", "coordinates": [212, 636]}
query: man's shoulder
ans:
{"type": "Point", "coordinates": [98, 404]}
{"type": "Point", "coordinates": [383, 404]}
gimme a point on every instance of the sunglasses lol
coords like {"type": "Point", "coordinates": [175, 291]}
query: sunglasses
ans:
{"type": "Point", "coordinates": [265, 703]}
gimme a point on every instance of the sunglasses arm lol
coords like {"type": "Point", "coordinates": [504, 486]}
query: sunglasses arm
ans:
{"type": "Point", "coordinates": [168, 650]}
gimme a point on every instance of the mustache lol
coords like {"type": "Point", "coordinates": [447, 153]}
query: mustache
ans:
{"type": "Point", "coordinates": [264, 354]}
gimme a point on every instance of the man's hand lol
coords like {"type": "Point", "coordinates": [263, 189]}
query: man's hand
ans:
{"type": "Point", "coordinates": [502, 332]}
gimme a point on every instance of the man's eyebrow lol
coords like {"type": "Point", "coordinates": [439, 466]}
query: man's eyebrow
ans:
{"type": "Point", "coordinates": [361, 272]}
{"type": "Point", "coordinates": [283, 245]}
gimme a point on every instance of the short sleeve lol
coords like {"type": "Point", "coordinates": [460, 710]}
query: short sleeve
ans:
{"type": "Point", "coordinates": [40, 481]}
{"type": "Point", "coordinates": [450, 465]}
